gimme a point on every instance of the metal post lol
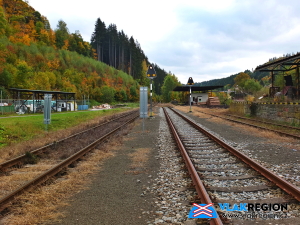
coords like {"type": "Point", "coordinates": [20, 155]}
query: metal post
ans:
{"type": "Point", "coordinates": [33, 100]}
{"type": "Point", "coordinates": [151, 98]}
{"type": "Point", "coordinates": [190, 99]}
{"type": "Point", "coordinates": [74, 102]}
{"type": "Point", "coordinates": [1, 103]}
{"type": "Point", "coordinates": [297, 85]}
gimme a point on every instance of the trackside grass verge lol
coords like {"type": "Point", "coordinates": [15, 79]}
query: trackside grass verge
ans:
{"type": "Point", "coordinates": [21, 134]}
{"type": "Point", "coordinates": [17, 129]}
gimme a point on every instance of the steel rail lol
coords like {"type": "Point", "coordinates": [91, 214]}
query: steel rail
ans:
{"type": "Point", "coordinates": [202, 193]}
{"type": "Point", "coordinates": [256, 126]}
{"type": "Point", "coordinates": [19, 159]}
{"type": "Point", "coordinates": [280, 125]}
{"type": "Point", "coordinates": [281, 183]}
{"type": "Point", "coordinates": [56, 169]}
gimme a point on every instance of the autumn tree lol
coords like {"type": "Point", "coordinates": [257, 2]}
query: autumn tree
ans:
{"type": "Point", "coordinates": [241, 79]}
{"type": "Point", "coordinates": [3, 22]}
{"type": "Point", "coordinates": [24, 75]}
{"type": "Point", "coordinates": [107, 94]}
{"type": "Point", "coordinates": [34, 56]}
{"type": "Point", "coordinates": [252, 86]}
{"type": "Point", "coordinates": [133, 94]}
{"type": "Point", "coordinates": [5, 78]}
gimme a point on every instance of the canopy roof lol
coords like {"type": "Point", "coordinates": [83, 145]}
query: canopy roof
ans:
{"type": "Point", "coordinates": [196, 88]}
{"type": "Point", "coordinates": [40, 91]}
{"type": "Point", "coordinates": [282, 64]}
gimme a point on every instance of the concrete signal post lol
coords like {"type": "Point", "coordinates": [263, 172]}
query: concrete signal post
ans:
{"type": "Point", "coordinates": [151, 74]}
{"type": "Point", "coordinates": [47, 109]}
{"type": "Point", "coordinates": [190, 83]}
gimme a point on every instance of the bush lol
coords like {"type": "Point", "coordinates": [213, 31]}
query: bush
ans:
{"type": "Point", "coordinates": [107, 94]}
{"type": "Point", "coordinates": [93, 102]}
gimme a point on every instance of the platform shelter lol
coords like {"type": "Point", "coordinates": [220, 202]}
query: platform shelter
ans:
{"type": "Point", "coordinates": [201, 96]}
{"type": "Point", "coordinates": [279, 67]}
{"type": "Point", "coordinates": [24, 97]}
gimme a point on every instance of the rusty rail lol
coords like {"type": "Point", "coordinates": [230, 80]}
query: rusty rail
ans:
{"type": "Point", "coordinates": [19, 159]}
{"type": "Point", "coordinates": [281, 183]}
{"type": "Point", "coordinates": [258, 121]}
{"type": "Point", "coordinates": [203, 195]}
{"type": "Point", "coordinates": [256, 126]}
{"type": "Point", "coordinates": [56, 169]}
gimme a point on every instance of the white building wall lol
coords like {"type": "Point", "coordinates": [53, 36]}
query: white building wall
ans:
{"type": "Point", "coordinates": [198, 98]}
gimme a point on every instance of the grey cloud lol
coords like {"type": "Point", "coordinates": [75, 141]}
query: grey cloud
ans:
{"type": "Point", "coordinates": [244, 31]}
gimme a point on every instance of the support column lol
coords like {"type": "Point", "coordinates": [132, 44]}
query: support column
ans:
{"type": "Point", "coordinates": [74, 102]}
{"type": "Point", "coordinates": [33, 100]}
{"type": "Point", "coordinates": [297, 85]}
{"type": "Point", "coordinates": [151, 98]}
{"type": "Point", "coordinates": [190, 99]}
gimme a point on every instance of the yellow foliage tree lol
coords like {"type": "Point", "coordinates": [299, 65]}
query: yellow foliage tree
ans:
{"type": "Point", "coordinates": [241, 79]}
{"type": "Point", "coordinates": [66, 45]}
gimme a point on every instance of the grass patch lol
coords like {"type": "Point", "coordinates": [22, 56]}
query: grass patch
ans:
{"type": "Point", "coordinates": [31, 158]}
{"type": "Point", "coordinates": [18, 129]}
{"type": "Point", "coordinates": [139, 159]}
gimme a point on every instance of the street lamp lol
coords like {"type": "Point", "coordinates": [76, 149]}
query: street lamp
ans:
{"type": "Point", "coordinates": [190, 83]}
{"type": "Point", "coordinates": [151, 74]}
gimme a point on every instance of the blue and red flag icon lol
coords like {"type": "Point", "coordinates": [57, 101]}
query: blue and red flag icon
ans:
{"type": "Point", "coordinates": [203, 211]}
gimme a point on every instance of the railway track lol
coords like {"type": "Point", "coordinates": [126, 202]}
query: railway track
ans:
{"type": "Point", "coordinates": [222, 175]}
{"type": "Point", "coordinates": [59, 144]}
{"type": "Point", "coordinates": [288, 131]}
{"type": "Point", "coordinates": [265, 122]}
{"type": "Point", "coordinates": [54, 158]}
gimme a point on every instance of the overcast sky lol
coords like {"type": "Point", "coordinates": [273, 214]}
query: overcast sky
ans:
{"type": "Point", "coordinates": [204, 39]}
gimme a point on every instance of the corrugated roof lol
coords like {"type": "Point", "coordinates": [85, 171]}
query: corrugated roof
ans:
{"type": "Point", "coordinates": [40, 91]}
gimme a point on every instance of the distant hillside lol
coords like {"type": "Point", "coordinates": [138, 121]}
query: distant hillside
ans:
{"type": "Point", "coordinates": [33, 56]}
{"type": "Point", "coordinates": [229, 81]}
